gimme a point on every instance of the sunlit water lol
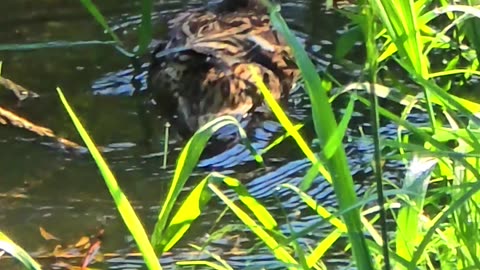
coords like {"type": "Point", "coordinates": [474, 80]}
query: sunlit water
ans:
{"type": "Point", "coordinates": [63, 192]}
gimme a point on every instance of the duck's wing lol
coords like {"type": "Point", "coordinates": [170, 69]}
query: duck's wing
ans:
{"type": "Point", "coordinates": [246, 37]}
{"type": "Point", "coordinates": [205, 69]}
{"type": "Point", "coordinates": [243, 34]}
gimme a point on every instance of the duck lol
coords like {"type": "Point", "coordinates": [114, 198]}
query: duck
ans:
{"type": "Point", "coordinates": [204, 69]}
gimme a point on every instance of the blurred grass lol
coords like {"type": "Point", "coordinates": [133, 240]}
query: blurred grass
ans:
{"type": "Point", "coordinates": [18, 253]}
{"type": "Point", "coordinates": [123, 205]}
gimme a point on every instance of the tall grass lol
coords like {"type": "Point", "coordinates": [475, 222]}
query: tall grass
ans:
{"type": "Point", "coordinates": [434, 209]}
{"type": "Point", "coordinates": [170, 226]}
{"type": "Point", "coordinates": [403, 33]}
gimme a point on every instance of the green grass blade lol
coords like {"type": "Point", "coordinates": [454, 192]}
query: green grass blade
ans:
{"type": "Point", "coordinates": [441, 217]}
{"type": "Point", "coordinates": [125, 209]}
{"type": "Point", "coordinates": [223, 263]}
{"type": "Point", "coordinates": [186, 162]}
{"type": "Point", "coordinates": [400, 20]}
{"type": "Point", "coordinates": [18, 253]}
{"type": "Point", "coordinates": [325, 125]}
{"type": "Point", "coordinates": [328, 241]}
{"type": "Point", "coordinates": [187, 213]}
{"type": "Point", "coordinates": [280, 139]}
{"type": "Point", "coordinates": [97, 15]}
{"type": "Point", "coordinates": [260, 212]}
{"type": "Point", "coordinates": [336, 140]}
{"type": "Point", "coordinates": [416, 182]}
{"type": "Point", "coordinates": [145, 30]}
{"type": "Point", "coordinates": [317, 254]}
{"type": "Point", "coordinates": [320, 210]}
{"type": "Point", "coordinates": [277, 250]}
{"type": "Point", "coordinates": [313, 85]}
{"type": "Point", "coordinates": [288, 125]}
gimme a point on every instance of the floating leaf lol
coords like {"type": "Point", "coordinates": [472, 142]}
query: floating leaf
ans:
{"type": "Point", "coordinates": [46, 235]}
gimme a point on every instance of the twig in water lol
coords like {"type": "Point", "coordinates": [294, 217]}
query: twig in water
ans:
{"type": "Point", "coordinates": [165, 146]}
{"type": "Point", "coordinates": [10, 118]}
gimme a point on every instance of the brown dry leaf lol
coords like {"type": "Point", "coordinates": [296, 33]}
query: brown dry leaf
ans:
{"type": "Point", "coordinates": [83, 242]}
{"type": "Point", "coordinates": [57, 251]}
{"type": "Point", "coordinates": [67, 253]}
{"type": "Point", "coordinates": [47, 236]}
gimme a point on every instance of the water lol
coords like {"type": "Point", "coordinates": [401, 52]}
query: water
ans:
{"type": "Point", "coordinates": [62, 192]}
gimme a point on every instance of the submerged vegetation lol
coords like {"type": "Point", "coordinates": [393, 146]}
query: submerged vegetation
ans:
{"type": "Point", "coordinates": [422, 55]}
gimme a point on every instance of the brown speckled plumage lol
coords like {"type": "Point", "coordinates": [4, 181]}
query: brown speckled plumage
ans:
{"type": "Point", "coordinates": [204, 70]}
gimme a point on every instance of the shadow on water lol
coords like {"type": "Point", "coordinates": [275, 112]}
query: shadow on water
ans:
{"type": "Point", "coordinates": [40, 186]}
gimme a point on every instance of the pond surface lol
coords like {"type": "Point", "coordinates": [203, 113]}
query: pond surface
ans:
{"type": "Point", "coordinates": [42, 186]}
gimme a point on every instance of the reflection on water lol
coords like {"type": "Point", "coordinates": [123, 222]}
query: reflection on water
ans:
{"type": "Point", "coordinates": [40, 186]}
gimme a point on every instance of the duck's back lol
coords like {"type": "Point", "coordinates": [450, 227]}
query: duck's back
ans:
{"type": "Point", "coordinates": [204, 70]}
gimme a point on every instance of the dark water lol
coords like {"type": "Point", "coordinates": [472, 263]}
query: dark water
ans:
{"type": "Point", "coordinates": [43, 186]}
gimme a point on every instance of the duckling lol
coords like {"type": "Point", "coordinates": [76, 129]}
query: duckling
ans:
{"type": "Point", "coordinates": [204, 70]}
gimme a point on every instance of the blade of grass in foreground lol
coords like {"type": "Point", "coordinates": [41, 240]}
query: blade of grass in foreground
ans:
{"type": "Point", "coordinates": [196, 201]}
{"type": "Point", "coordinates": [325, 125]}
{"type": "Point", "coordinates": [187, 213]}
{"type": "Point", "coordinates": [187, 161]}
{"type": "Point", "coordinates": [288, 125]}
{"type": "Point", "coordinates": [126, 210]}
{"type": "Point", "coordinates": [261, 213]}
{"type": "Point", "coordinates": [19, 253]}
{"type": "Point", "coordinates": [332, 237]}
